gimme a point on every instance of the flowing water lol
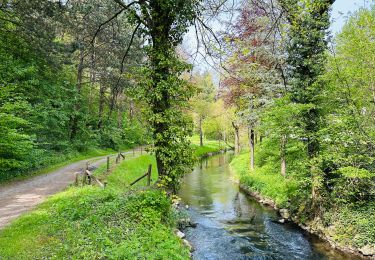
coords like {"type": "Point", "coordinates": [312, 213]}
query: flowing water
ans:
{"type": "Point", "coordinates": [232, 225]}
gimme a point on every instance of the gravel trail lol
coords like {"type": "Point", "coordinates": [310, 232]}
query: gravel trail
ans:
{"type": "Point", "coordinates": [21, 196]}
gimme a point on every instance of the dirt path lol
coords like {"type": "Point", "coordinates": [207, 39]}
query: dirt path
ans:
{"type": "Point", "coordinates": [21, 196]}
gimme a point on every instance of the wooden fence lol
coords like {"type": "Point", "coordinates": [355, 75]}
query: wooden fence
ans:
{"type": "Point", "coordinates": [88, 178]}
{"type": "Point", "coordinates": [147, 174]}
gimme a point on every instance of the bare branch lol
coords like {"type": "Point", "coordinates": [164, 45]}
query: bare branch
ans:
{"type": "Point", "coordinates": [128, 48]}
{"type": "Point", "coordinates": [105, 23]}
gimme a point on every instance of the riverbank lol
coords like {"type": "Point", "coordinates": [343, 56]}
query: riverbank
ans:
{"type": "Point", "coordinates": [350, 229]}
{"type": "Point", "coordinates": [91, 223]}
{"type": "Point", "coordinates": [94, 223]}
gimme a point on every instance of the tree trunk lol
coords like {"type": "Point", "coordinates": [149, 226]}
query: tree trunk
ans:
{"type": "Point", "coordinates": [200, 132]}
{"type": "Point", "coordinates": [77, 106]}
{"type": "Point", "coordinates": [252, 148]}
{"type": "Point", "coordinates": [131, 110]}
{"type": "Point", "coordinates": [101, 105]}
{"type": "Point", "coordinates": [120, 110]}
{"type": "Point", "coordinates": [260, 138]}
{"type": "Point", "coordinates": [282, 154]}
{"type": "Point", "coordinates": [236, 138]}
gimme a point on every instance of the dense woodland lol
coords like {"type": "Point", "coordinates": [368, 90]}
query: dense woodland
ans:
{"type": "Point", "coordinates": [296, 103]}
{"type": "Point", "coordinates": [65, 87]}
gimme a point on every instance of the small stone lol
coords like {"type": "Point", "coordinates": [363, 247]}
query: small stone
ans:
{"type": "Point", "coordinates": [282, 221]}
{"type": "Point", "coordinates": [284, 213]}
{"type": "Point", "coordinates": [368, 250]}
{"type": "Point", "coordinates": [193, 225]}
{"type": "Point", "coordinates": [179, 234]}
{"type": "Point", "coordinates": [188, 245]}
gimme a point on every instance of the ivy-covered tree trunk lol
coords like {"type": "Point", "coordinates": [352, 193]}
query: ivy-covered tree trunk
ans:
{"type": "Point", "coordinates": [167, 93]}
{"type": "Point", "coordinates": [309, 21]}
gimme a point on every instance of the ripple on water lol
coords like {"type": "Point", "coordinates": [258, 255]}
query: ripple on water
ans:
{"type": "Point", "coordinates": [234, 226]}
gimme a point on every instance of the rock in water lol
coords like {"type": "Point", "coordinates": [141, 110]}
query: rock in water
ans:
{"type": "Point", "coordinates": [284, 213]}
{"type": "Point", "coordinates": [188, 245]}
{"type": "Point", "coordinates": [179, 234]}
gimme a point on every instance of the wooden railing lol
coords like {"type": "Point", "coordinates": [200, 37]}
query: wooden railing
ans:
{"type": "Point", "coordinates": [147, 174]}
{"type": "Point", "coordinates": [88, 178]}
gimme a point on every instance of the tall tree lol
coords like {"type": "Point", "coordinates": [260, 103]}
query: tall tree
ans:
{"type": "Point", "coordinates": [254, 64]}
{"type": "Point", "coordinates": [306, 47]}
{"type": "Point", "coordinates": [307, 53]}
{"type": "Point", "coordinates": [163, 23]}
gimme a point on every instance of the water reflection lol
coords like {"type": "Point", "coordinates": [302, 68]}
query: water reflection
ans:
{"type": "Point", "coordinates": [234, 226]}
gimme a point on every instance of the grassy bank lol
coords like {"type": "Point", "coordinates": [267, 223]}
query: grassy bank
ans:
{"type": "Point", "coordinates": [94, 223]}
{"type": "Point", "coordinates": [349, 227]}
{"type": "Point", "coordinates": [209, 146]}
{"type": "Point", "coordinates": [265, 180]}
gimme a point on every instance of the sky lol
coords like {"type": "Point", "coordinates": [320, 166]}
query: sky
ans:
{"type": "Point", "coordinates": [340, 11]}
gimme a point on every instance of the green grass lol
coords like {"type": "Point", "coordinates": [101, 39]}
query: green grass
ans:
{"type": "Point", "coordinates": [209, 146]}
{"type": "Point", "coordinates": [93, 223]}
{"type": "Point", "coordinates": [346, 225]}
{"type": "Point", "coordinates": [265, 180]}
{"type": "Point", "coordinates": [119, 222]}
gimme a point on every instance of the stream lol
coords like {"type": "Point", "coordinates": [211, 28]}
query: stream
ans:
{"type": "Point", "coordinates": [232, 225]}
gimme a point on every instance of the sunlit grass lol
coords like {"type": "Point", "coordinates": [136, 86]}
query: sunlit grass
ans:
{"type": "Point", "coordinates": [266, 180]}
{"type": "Point", "coordinates": [93, 223]}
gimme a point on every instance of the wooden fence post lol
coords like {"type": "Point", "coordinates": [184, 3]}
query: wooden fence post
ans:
{"type": "Point", "coordinates": [149, 175]}
{"type": "Point", "coordinates": [76, 180]}
{"type": "Point", "coordinates": [107, 163]}
{"type": "Point", "coordinates": [84, 173]}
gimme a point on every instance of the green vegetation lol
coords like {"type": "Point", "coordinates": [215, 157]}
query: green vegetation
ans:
{"type": "Point", "coordinates": [309, 115]}
{"type": "Point", "coordinates": [55, 106]}
{"type": "Point", "coordinates": [89, 222]}
{"type": "Point", "coordinates": [348, 225]}
{"type": "Point", "coordinates": [85, 78]}
{"type": "Point", "coordinates": [265, 180]}
{"type": "Point", "coordinates": [209, 146]}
